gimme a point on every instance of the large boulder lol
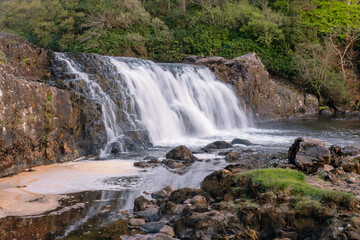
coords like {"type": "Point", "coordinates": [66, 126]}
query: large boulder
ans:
{"type": "Point", "coordinates": [308, 154]}
{"type": "Point", "coordinates": [181, 153]}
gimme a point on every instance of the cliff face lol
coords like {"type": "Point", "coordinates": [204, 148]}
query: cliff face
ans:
{"type": "Point", "coordinates": [39, 124]}
{"type": "Point", "coordinates": [260, 95]}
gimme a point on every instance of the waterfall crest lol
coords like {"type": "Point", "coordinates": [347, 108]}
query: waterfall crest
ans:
{"type": "Point", "coordinates": [169, 101]}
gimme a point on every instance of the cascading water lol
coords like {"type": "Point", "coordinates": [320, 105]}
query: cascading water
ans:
{"type": "Point", "coordinates": [169, 101]}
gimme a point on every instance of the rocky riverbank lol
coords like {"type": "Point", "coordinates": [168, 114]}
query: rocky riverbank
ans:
{"type": "Point", "coordinates": [315, 196]}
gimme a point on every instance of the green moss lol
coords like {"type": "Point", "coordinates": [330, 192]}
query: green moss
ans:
{"type": "Point", "coordinates": [323, 107]}
{"type": "Point", "coordinates": [26, 61]}
{"type": "Point", "coordinates": [3, 58]}
{"type": "Point", "coordinates": [274, 179]}
{"type": "Point", "coordinates": [356, 160]}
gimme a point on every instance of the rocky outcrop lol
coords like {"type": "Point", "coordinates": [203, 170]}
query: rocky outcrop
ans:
{"type": "Point", "coordinates": [37, 121]}
{"type": "Point", "coordinates": [309, 154]}
{"type": "Point", "coordinates": [233, 206]}
{"type": "Point", "coordinates": [262, 96]}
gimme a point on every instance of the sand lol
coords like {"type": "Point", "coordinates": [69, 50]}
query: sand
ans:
{"type": "Point", "coordinates": [32, 193]}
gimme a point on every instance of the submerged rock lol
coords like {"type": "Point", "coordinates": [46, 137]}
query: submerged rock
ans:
{"type": "Point", "coordinates": [217, 145]}
{"type": "Point", "coordinates": [241, 141]}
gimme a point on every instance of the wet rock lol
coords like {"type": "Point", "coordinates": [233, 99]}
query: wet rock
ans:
{"type": "Point", "coordinates": [308, 154]}
{"type": "Point", "coordinates": [115, 148]}
{"type": "Point", "coordinates": [151, 214]}
{"type": "Point", "coordinates": [163, 193]}
{"type": "Point", "coordinates": [141, 164]}
{"type": "Point", "coordinates": [327, 111]}
{"type": "Point", "coordinates": [142, 204]}
{"type": "Point", "coordinates": [167, 230]}
{"type": "Point", "coordinates": [124, 214]}
{"type": "Point", "coordinates": [198, 201]}
{"type": "Point", "coordinates": [151, 158]}
{"type": "Point", "coordinates": [233, 157]}
{"type": "Point", "coordinates": [236, 168]}
{"type": "Point", "coordinates": [217, 145]}
{"type": "Point", "coordinates": [241, 141]}
{"type": "Point", "coordinates": [182, 194]}
{"type": "Point", "coordinates": [136, 222]}
{"type": "Point", "coordinates": [152, 227]}
{"type": "Point", "coordinates": [181, 153]}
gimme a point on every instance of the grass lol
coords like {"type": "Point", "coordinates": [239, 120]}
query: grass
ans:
{"type": "Point", "coordinates": [273, 179]}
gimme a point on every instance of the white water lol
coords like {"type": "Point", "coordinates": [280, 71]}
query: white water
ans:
{"type": "Point", "coordinates": [171, 101]}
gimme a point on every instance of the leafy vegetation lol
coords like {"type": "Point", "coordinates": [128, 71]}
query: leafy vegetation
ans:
{"type": "Point", "coordinates": [313, 43]}
{"type": "Point", "coordinates": [294, 183]}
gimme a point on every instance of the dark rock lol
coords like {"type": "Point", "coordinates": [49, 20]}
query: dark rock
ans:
{"type": "Point", "coordinates": [336, 155]}
{"type": "Point", "coordinates": [308, 154]}
{"type": "Point", "coordinates": [163, 193]}
{"type": "Point", "coordinates": [327, 111]}
{"type": "Point", "coordinates": [152, 227]}
{"type": "Point", "coordinates": [233, 157]}
{"type": "Point", "coordinates": [219, 184]}
{"type": "Point", "coordinates": [217, 145]}
{"type": "Point", "coordinates": [182, 194]}
{"type": "Point", "coordinates": [141, 164]}
{"type": "Point", "coordinates": [151, 214]}
{"type": "Point", "coordinates": [142, 204]}
{"type": "Point", "coordinates": [241, 141]}
{"type": "Point", "coordinates": [181, 153]}
{"type": "Point", "coordinates": [236, 168]}
{"type": "Point", "coordinates": [351, 150]}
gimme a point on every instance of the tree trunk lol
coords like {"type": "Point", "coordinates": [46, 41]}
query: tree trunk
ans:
{"type": "Point", "coordinates": [183, 5]}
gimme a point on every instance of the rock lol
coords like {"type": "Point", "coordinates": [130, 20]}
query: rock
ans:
{"type": "Point", "coordinates": [152, 227]}
{"type": "Point", "coordinates": [198, 201]}
{"type": "Point", "coordinates": [350, 164]}
{"type": "Point", "coordinates": [336, 155]}
{"type": "Point", "coordinates": [308, 154]}
{"type": "Point", "coordinates": [141, 164]}
{"type": "Point", "coordinates": [351, 150]}
{"type": "Point", "coordinates": [264, 97]}
{"type": "Point", "coordinates": [217, 145]}
{"type": "Point", "coordinates": [181, 153]}
{"type": "Point", "coordinates": [241, 141]}
{"type": "Point", "coordinates": [182, 194]}
{"type": "Point", "coordinates": [163, 193]}
{"type": "Point", "coordinates": [136, 222]}
{"type": "Point", "coordinates": [327, 111]}
{"type": "Point", "coordinates": [218, 184]}
{"type": "Point", "coordinates": [141, 204]}
{"type": "Point", "coordinates": [233, 157]}
{"type": "Point", "coordinates": [236, 168]}
{"type": "Point", "coordinates": [151, 214]}
{"type": "Point", "coordinates": [124, 213]}
{"type": "Point", "coordinates": [167, 230]}
{"type": "Point", "coordinates": [327, 168]}
{"type": "Point", "coordinates": [161, 236]}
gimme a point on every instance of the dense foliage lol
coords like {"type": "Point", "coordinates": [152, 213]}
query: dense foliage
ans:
{"type": "Point", "coordinates": [314, 43]}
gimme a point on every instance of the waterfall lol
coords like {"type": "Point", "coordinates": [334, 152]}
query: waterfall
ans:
{"type": "Point", "coordinates": [169, 101]}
